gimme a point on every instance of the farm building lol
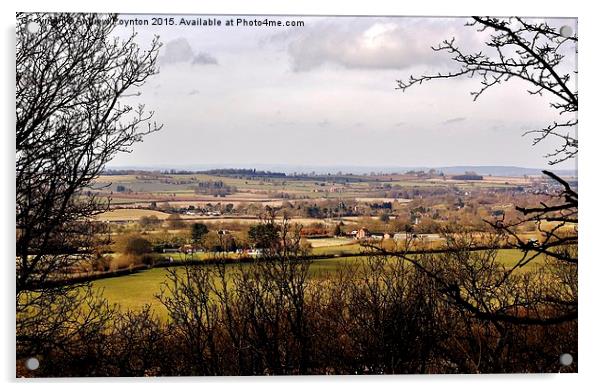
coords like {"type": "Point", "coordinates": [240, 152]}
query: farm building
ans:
{"type": "Point", "coordinates": [380, 235]}
{"type": "Point", "coordinates": [362, 233]}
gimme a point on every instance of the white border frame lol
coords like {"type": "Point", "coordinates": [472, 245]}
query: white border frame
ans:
{"type": "Point", "coordinates": [589, 159]}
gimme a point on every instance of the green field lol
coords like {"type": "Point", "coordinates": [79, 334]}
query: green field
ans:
{"type": "Point", "coordinates": [136, 290]}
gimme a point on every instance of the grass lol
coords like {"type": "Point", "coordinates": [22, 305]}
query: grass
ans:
{"type": "Point", "coordinates": [136, 290]}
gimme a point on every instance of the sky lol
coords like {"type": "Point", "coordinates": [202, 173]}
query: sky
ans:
{"type": "Point", "coordinates": [325, 94]}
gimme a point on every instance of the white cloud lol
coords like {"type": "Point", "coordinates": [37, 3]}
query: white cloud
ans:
{"type": "Point", "coordinates": [340, 106]}
{"type": "Point", "coordinates": [373, 43]}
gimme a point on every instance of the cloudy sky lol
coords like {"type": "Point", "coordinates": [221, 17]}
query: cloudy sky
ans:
{"type": "Point", "coordinates": [325, 94]}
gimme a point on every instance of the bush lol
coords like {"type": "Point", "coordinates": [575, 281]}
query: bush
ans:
{"type": "Point", "coordinates": [174, 221]}
{"type": "Point", "coordinates": [151, 221]}
{"type": "Point", "coordinates": [150, 259]}
{"type": "Point", "coordinates": [133, 245]}
{"type": "Point", "coordinates": [384, 316]}
{"type": "Point", "coordinates": [198, 231]}
{"type": "Point", "coordinates": [122, 262]}
{"type": "Point", "coordinates": [102, 263]}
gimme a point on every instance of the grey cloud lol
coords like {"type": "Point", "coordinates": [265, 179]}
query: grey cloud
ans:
{"type": "Point", "coordinates": [204, 58]}
{"type": "Point", "coordinates": [180, 51]}
{"type": "Point", "coordinates": [194, 92]}
{"type": "Point", "coordinates": [176, 51]}
{"type": "Point", "coordinates": [453, 120]}
{"type": "Point", "coordinates": [387, 43]}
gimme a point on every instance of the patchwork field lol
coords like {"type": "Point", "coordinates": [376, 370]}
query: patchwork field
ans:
{"type": "Point", "coordinates": [180, 188]}
{"type": "Point", "coordinates": [404, 204]}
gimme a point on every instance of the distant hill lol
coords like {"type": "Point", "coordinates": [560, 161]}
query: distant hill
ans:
{"type": "Point", "coordinates": [344, 169]}
{"type": "Point", "coordinates": [502, 170]}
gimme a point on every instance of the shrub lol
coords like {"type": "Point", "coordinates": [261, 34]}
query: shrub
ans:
{"type": "Point", "coordinates": [102, 263]}
{"type": "Point", "coordinates": [151, 221]}
{"type": "Point", "coordinates": [122, 261]}
{"type": "Point", "coordinates": [150, 259]}
{"type": "Point", "coordinates": [174, 221]}
{"type": "Point", "coordinates": [198, 231]}
{"type": "Point", "coordinates": [133, 245]}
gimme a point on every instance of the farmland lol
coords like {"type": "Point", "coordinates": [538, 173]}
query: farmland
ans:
{"type": "Point", "coordinates": [139, 289]}
{"type": "Point", "coordinates": [223, 197]}
{"type": "Point", "coordinates": [143, 188]}
{"type": "Point", "coordinates": [334, 214]}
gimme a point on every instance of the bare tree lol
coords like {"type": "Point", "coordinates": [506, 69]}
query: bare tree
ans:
{"type": "Point", "coordinates": [71, 119]}
{"type": "Point", "coordinates": [254, 314]}
{"type": "Point", "coordinates": [534, 53]}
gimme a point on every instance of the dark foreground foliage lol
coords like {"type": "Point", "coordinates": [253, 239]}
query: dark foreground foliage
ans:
{"type": "Point", "coordinates": [269, 318]}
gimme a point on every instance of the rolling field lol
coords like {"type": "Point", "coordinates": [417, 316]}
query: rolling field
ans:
{"type": "Point", "coordinates": [136, 290]}
{"type": "Point", "coordinates": [181, 187]}
{"type": "Point", "coordinates": [328, 242]}
{"type": "Point", "coordinates": [351, 248]}
{"type": "Point", "coordinates": [133, 215]}
{"type": "Point", "coordinates": [130, 214]}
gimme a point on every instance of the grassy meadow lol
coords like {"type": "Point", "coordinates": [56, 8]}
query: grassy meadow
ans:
{"type": "Point", "coordinates": [139, 289]}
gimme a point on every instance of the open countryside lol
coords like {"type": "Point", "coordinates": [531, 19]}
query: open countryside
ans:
{"type": "Point", "coordinates": [256, 200]}
{"type": "Point", "coordinates": [338, 215]}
